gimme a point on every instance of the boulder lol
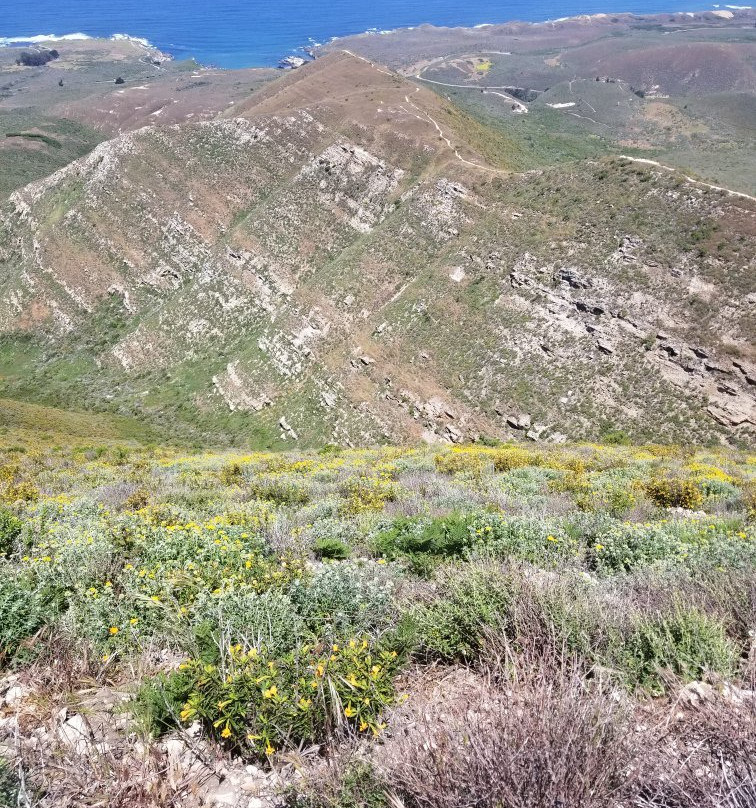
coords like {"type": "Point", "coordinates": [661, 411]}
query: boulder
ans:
{"type": "Point", "coordinates": [454, 435]}
{"type": "Point", "coordinates": [536, 431]}
{"type": "Point", "coordinates": [604, 346]}
{"type": "Point", "coordinates": [671, 350]}
{"type": "Point", "coordinates": [292, 62]}
{"type": "Point", "coordinates": [729, 413]}
{"type": "Point", "coordinates": [715, 367]}
{"type": "Point", "coordinates": [748, 370]}
{"type": "Point", "coordinates": [517, 279]}
{"type": "Point", "coordinates": [225, 794]}
{"type": "Point", "coordinates": [697, 693]}
{"type": "Point", "coordinates": [573, 278]}
{"type": "Point", "coordinates": [287, 429]}
{"type": "Point", "coordinates": [521, 421]}
{"type": "Point", "coordinates": [589, 308]}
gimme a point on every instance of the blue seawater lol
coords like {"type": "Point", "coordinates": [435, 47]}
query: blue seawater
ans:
{"type": "Point", "coordinates": [246, 33]}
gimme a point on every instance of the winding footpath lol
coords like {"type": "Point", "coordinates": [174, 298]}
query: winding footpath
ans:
{"type": "Point", "coordinates": [425, 116]}
{"type": "Point", "coordinates": [647, 162]}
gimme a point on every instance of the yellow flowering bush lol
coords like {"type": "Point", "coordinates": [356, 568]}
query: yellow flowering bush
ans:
{"type": "Point", "coordinates": [254, 515]}
{"type": "Point", "coordinates": [367, 493]}
{"type": "Point", "coordinates": [278, 489]}
{"type": "Point", "coordinates": [707, 471]}
{"type": "Point", "coordinates": [231, 474]}
{"type": "Point", "coordinates": [463, 459]}
{"type": "Point", "coordinates": [9, 472]}
{"type": "Point", "coordinates": [572, 482]}
{"type": "Point", "coordinates": [515, 458]}
{"type": "Point", "coordinates": [23, 491]}
{"type": "Point", "coordinates": [674, 492]}
{"type": "Point", "coordinates": [257, 704]}
{"type": "Point", "coordinates": [749, 499]}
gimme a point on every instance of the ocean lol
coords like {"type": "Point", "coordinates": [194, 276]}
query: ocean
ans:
{"type": "Point", "coordinates": [235, 33]}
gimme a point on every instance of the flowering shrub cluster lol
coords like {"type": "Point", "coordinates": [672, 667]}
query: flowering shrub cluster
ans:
{"type": "Point", "coordinates": [292, 588]}
{"type": "Point", "coordinates": [255, 702]}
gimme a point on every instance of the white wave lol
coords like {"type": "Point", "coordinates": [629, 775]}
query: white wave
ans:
{"type": "Point", "coordinates": [740, 8]}
{"type": "Point", "coordinates": [37, 38]}
{"type": "Point", "coordinates": [138, 39]}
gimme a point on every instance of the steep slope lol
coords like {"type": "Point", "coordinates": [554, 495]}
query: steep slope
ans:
{"type": "Point", "coordinates": [349, 260]}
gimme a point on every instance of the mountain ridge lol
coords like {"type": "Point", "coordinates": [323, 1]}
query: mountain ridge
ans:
{"type": "Point", "coordinates": [335, 261]}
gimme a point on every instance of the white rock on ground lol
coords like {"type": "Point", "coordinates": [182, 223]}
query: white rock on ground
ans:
{"type": "Point", "coordinates": [75, 734]}
{"type": "Point", "coordinates": [15, 695]}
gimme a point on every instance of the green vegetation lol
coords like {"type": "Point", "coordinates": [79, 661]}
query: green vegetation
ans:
{"type": "Point", "coordinates": [330, 548]}
{"type": "Point", "coordinates": [684, 643]}
{"type": "Point", "coordinates": [294, 593]}
{"type": "Point", "coordinates": [50, 141]}
{"type": "Point", "coordinates": [36, 145]}
{"type": "Point", "coordinates": [256, 703]}
{"type": "Point", "coordinates": [171, 352]}
{"type": "Point", "coordinates": [8, 785]}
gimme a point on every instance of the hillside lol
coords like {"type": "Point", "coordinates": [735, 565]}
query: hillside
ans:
{"type": "Point", "coordinates": [347, 257]}
{"type": "Point", "coordinates": [675, 87]}
{"type": "Point", "coordinates": [381, 437]}
{"type": "Point", "coordinates": [54, 113]}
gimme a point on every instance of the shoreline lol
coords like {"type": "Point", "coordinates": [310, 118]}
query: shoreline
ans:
{"type": "Point", "coordinates": [721, 12]}
{"type": "Point", "coordinates": [39, 39]}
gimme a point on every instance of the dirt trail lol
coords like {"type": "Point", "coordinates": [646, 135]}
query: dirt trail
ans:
{"type": "Point", "coordinates": [485, 90]}
{"type": "Point", "coordinates": [648, 162]}
{"type": "Point", "coordinates": [372, 64]}
{"type": "Point", "coordinates": [520, 106]}
{"type": "Point", "coordinates": [424, 115]}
